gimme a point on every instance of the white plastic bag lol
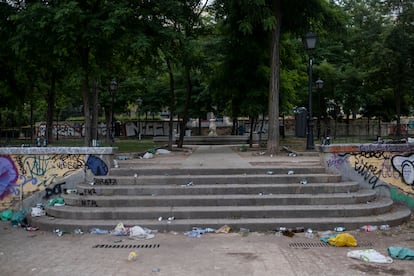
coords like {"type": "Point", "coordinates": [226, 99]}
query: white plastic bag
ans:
{"type": "Point", "coordinates": [38, 212]}
{"type": "Point", "coordinates": [369, 255]}
{"type": "Point", "coordinates": [148, 155]}
{"type": "Point", "coordinates": [163, 151]}
{"type": "Point", "coordinates": [140, 233]}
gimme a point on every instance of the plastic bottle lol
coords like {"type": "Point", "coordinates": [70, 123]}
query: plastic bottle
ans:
{"type": "Point", "coordinates": [309, 234]}
{"type": "Point", "coordinates": [385, 227]}
{"type": "Point", "coordinates": [369, 228]}
{"type": "Point", "coordinates": [339, 229]}
{"type": "Point", "coordinates": [132, 256]}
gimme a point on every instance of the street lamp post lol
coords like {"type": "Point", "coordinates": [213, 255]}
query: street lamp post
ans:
{"type": "Point", "coordinates": [309, 42]}
{"type": "Point", "coordinates": [113, 89]}
{"type": "Point", "coordinates": [139, 104]}
{"type": "Point", "coordinates": [319, 86]}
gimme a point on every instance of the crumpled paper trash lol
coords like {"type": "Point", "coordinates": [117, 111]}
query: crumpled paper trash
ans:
{"type": "Point", "coordinates": [369, 255]}
{"type": "Point", "coordinates": [224, 229]}
{"type": "Point", "coordinates": [344, 239]}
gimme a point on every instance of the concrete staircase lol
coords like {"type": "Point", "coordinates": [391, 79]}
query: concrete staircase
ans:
{"type": "Point", "coordinates": [259, 199]}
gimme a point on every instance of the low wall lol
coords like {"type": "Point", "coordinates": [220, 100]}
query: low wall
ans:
{"type": "Point", "coordinates": [386, 168]}
{"type": "Point", "coordinates": [28, 170]}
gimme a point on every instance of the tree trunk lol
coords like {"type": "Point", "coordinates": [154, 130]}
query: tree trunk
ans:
{"type": "Point", "coordinates": [51, 101]}
{"type": "Point", "coordinates": [251, 132]}
{"type": "Point", "coordinates": [172, 106]}
{"type": "Point", "coordinates": [95, 111]}
{"type": "Point", "coordinates": [273, 135]}
{"type": "Point", "coordinates": [86, 111]}
{"type": "Point", "coordinates": [189, 90]}
{"type": "Point", "coordinates": [84, 60]}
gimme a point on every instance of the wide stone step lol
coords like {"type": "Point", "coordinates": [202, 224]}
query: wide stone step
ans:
{"type": "Point", "coordinates": [141, 171]}
{"type": "Point", "coordinates": [186, 189]}
{"type": "Point", "coordinates": [394, 217]}
{"type": "Point", "coordinates": [215, 179]}
{"type": "Point", "coordinates": [220, 200]}
{"type": "Point", "coordinates": [203, 212]}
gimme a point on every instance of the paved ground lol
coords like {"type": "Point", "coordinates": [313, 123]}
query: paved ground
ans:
{"type": "Point", "coordinates": [45, 253]}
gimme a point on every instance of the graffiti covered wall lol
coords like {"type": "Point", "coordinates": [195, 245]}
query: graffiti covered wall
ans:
{"type": "Point", "coordinates": [387, 168]}
{"type": "Point", "coordinates": [26, 171]}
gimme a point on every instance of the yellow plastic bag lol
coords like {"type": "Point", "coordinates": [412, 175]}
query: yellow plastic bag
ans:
{"type": "Point", "coordinates": [343, 239]}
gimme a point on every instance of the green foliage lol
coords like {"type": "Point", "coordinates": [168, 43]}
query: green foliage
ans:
{"type": "Point", "coordinates": [191, 59]}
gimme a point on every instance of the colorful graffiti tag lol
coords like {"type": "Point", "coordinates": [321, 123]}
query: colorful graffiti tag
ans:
{"type": "Point", "coordinates": [8, 177]}
{"type": "Point", "coordinates": [379, 167]}
{"type": "Point", "coordinates": [32, 173]}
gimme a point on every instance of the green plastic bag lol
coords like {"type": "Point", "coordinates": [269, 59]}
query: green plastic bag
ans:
{"type": "Point", "coordinates": [54, 201]}
{"type": "Point", "coordinates": [402, 253]}
{"type": "Point", "coordinates": [6, 215]}
{"type": "Point", "coordinates": [18, 218]}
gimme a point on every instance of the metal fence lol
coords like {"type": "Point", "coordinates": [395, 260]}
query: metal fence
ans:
{"type": "Point", "coordinates": [67, 133]}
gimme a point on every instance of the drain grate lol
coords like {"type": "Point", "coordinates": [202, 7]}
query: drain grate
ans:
{"type": "Point", "coordinates": [321, 244]}
{"type": "Point", "coordinates": [142, 246]}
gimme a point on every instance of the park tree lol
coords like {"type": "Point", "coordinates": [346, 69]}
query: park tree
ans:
{"type": "Point", "coordinates": [269, 20]}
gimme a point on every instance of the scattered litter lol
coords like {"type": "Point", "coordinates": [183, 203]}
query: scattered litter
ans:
{"type": "Point", "coordinates": [303, 182]}
{"type": "Point", "coordinates": [401, 253]}
{"type": "Point", "coordinates": [38, 212]}
{"type": "Point", "coordinates": [344, 239]}
{"type": "Point", "coordinates": [132, 256]}
{"type": "Point", "coordinates": [6, 215]}
{"type": "Point", "coordinates": [59, 232]}
{"type": "Point", "coordinates": [340, 229]}
{"type": "Point", "coordinates": [288, 233]}
{"type": "Point", "coordinates": [120, 230]}
{"type": "Point", "coordinates": [244, 231]}
{"type": "Point", "coordinates": [71, 191]}
{"type": "Point", "coordinates": [162, 151]}
{"type": "Point", "coordinates": [56, 202]}
{"type": "Point", "coordinates": [369, 228]}
{"type": "Point", "coordinates": [148, 155]}
{"type": "Point", "coordinates": [326, 234]}
{"type": "Point", "coordinates": [78, 231]}
{"type": "Point", "coordinates": [309, 234]}
{"type": "Point", "coordinates": [369, 255]}
{"type": "Point", "coordinates": [99, 231]}
{"type": "Point", "coordinates": [291, 172]}
{"type": "Point", "coordinates": [224, 229]}
{"type": "Point", "coordinates": [141, 233]}
{"type": "Point", "coordinates": [31, 229]}
{"type": "Point", "coordinates": [298, 230]}
{"type": "Point", "coordinates": [385, 227]}
{"type": "Point", "coordinates": [19, 219]}
{"type": "Point", "coordinates": [197, 232]}
{"type": "Point", "coordinates": [123, 157]}
{"type": "Point", "coordinates": [188, 184]}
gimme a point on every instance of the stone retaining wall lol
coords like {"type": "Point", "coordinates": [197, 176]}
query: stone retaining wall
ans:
{"type": "Point", "coordinates": [25, 171]}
